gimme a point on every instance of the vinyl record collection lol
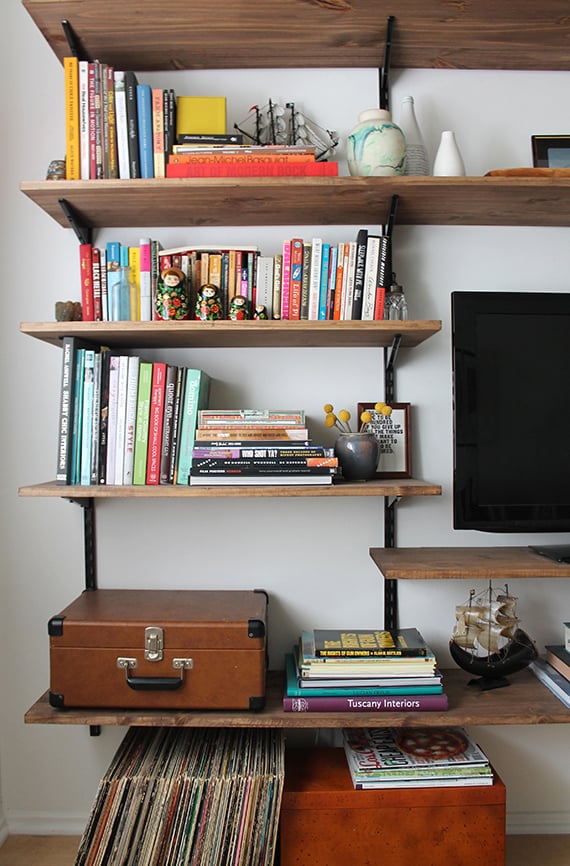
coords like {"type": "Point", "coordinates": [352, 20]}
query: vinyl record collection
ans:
{"type": "Point", "coordinates": [188, 796]}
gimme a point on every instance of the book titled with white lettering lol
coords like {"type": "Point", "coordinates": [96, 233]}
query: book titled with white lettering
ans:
{"type": "Point", "coordinates": [358, 704]}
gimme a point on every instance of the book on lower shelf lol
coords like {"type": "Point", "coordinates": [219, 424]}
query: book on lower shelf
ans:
{"type": "Point", "coordinates": [552, 679]}
{"type": "Point", "coordinates": [414, 757]}
{"type": "Point", "coordinates": [558, 657]}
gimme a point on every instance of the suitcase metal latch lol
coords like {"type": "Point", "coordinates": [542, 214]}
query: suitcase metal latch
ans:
{"type": "Point", "coordinates": [153, 643]}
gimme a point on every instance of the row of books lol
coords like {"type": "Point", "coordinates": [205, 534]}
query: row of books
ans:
{"type": "Point", "coordinates": [306, 280]}
{"type": "Point", "coordinates": [199, 796]}
{"type": "Point", "coordinates": [553, 671]}
{"type": "Point", "coordinates": [125, 420]}
{"type": "Point", "coordinates": [247, 161]}
{"type": "Point", "coordinates": [253, 447]}
{"type": "Point", "coordinates": [414, 758]}
{"type": "Point", "coordinates": [391, 671]}
{"type": "Point", "coordinates": [115, 126]}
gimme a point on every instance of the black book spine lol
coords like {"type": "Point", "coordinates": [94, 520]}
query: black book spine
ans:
{"type": "Point", "coordinates": [361, 240]}
{"type": "Point", "coordinates": [132, 123]}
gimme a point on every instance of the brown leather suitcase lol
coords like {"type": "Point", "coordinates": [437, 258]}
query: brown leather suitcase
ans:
{"type": "Point", "coordinates": [163, 649]}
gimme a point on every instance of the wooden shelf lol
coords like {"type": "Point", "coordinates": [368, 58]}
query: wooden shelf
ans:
{"type": "Point", "coordinates": [475, 563]}
{"type": "Point", "coordinates": [445, 201]}
{"type": "Point", "coordinates": [226, 334]}
{"type": "Point", "coordinates": [176, 34]}
{"type": "Point", "coordinates": [381, 487]}
{"type": "Point", "coordinates": [525, 702]}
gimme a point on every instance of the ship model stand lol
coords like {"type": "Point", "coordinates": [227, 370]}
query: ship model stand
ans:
{"type": "Point", "coordinates": [487, 640]}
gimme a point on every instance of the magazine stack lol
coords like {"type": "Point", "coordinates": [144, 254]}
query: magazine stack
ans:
{"type": "Point", "coordinates": [414, 758]}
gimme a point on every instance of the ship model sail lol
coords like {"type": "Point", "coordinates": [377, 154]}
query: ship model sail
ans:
{"type": "Point", "coordinates": [273, 124]}
{"type": "Point", "coordinates": [487, 640]}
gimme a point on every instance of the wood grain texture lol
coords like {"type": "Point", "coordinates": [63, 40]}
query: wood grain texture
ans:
{"type": "Point", "coordinates": [474, 563]}
{"type": "Point", "coordinates": [448, 201]}
{"type": "Point", "coordinates": [525, 702]}
{"type": "Point", "coordinates": [233, 335]}
{"type": "Point", "coordinates": [384, 487]}
{"type": "Point", "coordinates": [176, 34]}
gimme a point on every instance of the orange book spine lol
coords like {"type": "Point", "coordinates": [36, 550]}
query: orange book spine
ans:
{"type": "Point", "coordinates": [72, 140]}
{"type": "Point", "coordinates": [212, 158]}
{"type": "Point", "coordinates": [339, 280]}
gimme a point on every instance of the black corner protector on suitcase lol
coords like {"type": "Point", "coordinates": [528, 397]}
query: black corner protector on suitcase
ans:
{"type": "Point", "coordinates": [55, 626]}
{"type": "Point", "coordinates": [257, 704]}
{"type": "Point", "coordinates": [56, 700]}
{"type": "Point", "coordinates": [265, 593]}
{"type": "Point", "coordinates": [255, 628]}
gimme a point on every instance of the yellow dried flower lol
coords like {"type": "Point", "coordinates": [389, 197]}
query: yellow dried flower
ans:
{"type": "Point", "coordinates": [328, 407]}
{"type": "Point", "coordinates": [366, 417]}
{"type": "Point", "coordinates": [330, 419]}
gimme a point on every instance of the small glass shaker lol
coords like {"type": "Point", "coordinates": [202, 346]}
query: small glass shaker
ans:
{"type": "Point", "coordinates": [395, 304]}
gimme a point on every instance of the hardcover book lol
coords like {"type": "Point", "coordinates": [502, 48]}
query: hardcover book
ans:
{"type": "Point", "coordinates": [70, 347]}
{"type": "Point", "coordinates": [142, 422]}
{"type": "Point", "coordinates": [72, 136]}
{"type": "Point", "coordinates": [156, 421]}
{"type": "Point", "coordinates": [144, 115]}
{"type": "Point", "coordinates": [350, 643]}
{"type": "Point", "coordinates": [195, 397]}
{"type": "Point", "coordinates": [295, 689]}
{"type": "Point", "coordinates": [389, 704]}
{"type": "Point", "coordinates": [205, 115]}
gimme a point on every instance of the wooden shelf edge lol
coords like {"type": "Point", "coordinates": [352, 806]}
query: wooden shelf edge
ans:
{"type": "Point", "coordinates": [474, 563]}
{"type": "Point", "coordinates": [249, 334]}
{"type": "Point", "coordinates": [525, 702]}
{"type": "Point", "coordinates": [432, 201]}
{"type": "Point", "coordinates": [377, 487]}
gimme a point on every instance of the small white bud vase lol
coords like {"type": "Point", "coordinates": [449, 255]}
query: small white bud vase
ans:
{"type": "Point", "coordinates": [448, 160]}
{"type": "Point", "coordinates": [416, 154]}
{"type": "Point", "coordinates": [376, 147]}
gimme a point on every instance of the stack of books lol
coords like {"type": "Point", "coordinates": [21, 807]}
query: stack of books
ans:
{"type": "Point", "coordinates": [414, 758]}
{"type": "Point", "coordinates": [553, 671]}
{"type": "Point", "coordinates": [188, 796]}
{"type": "Point", "coordinates": [333, 670]}
{"type": "Point", "coordinates": [258, 446]}
{"type": "Point", "coordinates": [240, 160]}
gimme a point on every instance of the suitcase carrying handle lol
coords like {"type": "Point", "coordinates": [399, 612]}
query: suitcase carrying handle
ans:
{"type": "Point", "coordinates": [155, 684]}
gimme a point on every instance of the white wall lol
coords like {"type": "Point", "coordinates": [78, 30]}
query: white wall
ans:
{"type": "Point", "coordinates": [311, 555]}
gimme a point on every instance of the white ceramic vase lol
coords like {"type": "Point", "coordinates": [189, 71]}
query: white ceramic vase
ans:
{"type": "Point", "coordinates": [376, 147]}
{"type": "Point", "coordinates": [448, 160]}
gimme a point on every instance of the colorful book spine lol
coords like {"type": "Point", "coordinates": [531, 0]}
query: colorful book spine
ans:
{"type": "Point", "coordinates": [348, 287]}
{"type": "Point", "coordinates": [145, 280]}
{"type": "Point", "coordinates": [92, 123]}
{"type": "Point", "coordinates": [305, 280]}
{"type": "Point", "coordinates": [294, 690]}
{"type": "Point", "coordinates": [68, 369]}
{"type": "Point", "coordinates": [122, 125]}
{"type": "Point", "coordinates": [142, 422]}
{"type": "Point", "coordinates": [286, 280]}
{"type": "Point", "coordinates": [156, 421]}
{"type": "Point", "coordinates": [113, 255]}
{"type": "Point", "coordinates": [359, 267]}
{"type": "Point", "coordinates": [72, 136]}
{"type": "Point", "coordinates": [131, 418]}
{"type": "Point", "coordinates": [112, 160]}
{"type": "Point", "coordinates": [358, 704]}
{"type": "Point", "coordinates": [383, 276]}
{"type": "Point", "coordinates": [195, 397]}
{"type": "Point", "coordinates": [159, 162]}
{"type": "Point", "coordinates": [132, 124]}
{"type": "Point", "coordinates": [168, 422]}
{"type": "Point", "coordinates": [77, 416]}
{"type": "Point", "coordinates": [84, 119]}
{"type": "Point", "coordinates": [87, 418]}
{"type": "Point", "coordinates": [315, 278]}
{"type": "Point", "coordinates": [86, 272]}
{"type": "Point", "coordinates": [296, 278]}
{"type": "Point", "coordinates": [370, 273]}
{"type": "Point", "coordinates": [324, 287]}
{"type": "Point", "coordinates": [144, 115]}
{"type": "Point", "coordinates": [103, 416]}
{"type": "Point", "coordinates": [277, 283]}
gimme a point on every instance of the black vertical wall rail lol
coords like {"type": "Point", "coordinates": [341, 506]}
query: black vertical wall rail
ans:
{"type": "Point", "coordinates": [390, 585]}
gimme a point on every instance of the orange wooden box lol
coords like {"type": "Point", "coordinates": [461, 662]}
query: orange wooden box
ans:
{"type": "Point", "coordinates": [326, 822]}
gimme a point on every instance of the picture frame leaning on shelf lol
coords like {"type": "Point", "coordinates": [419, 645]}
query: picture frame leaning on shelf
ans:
{"type": "Point", "coordinates": [394, 435]}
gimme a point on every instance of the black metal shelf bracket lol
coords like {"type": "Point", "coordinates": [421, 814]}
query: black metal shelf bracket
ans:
{"type": "Point", "coordinates": [384, 89]}
{"type": "Point", "coordinates": [73, 42]}
{"type": "Point", "coordinates": [389, 367]}
{"type": "Point", "coordinates": [83, 233]}
{"type": "Point", "coordinates": [88, 506]}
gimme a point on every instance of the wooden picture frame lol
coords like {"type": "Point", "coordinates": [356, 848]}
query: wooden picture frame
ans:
{"type": "Point", "coordinates": [394, 434]}
{"type": "Point", "coordinates": [550, 151]}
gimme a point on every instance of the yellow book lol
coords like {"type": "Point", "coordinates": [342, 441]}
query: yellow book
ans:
{"type": "Point", "coordinates": [135, 282]}
{"type": "Point", "coordinates": [72, 141]}
{"type": "Point", "coordinates": [201, 115]}
{"type": "Point", "coordinates": [215, 269]}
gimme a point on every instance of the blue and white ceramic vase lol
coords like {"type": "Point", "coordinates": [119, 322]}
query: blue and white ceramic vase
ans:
{"type": "Point", "coordinates": [376, 147]}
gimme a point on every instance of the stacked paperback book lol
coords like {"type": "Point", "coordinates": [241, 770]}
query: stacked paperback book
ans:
{"type": "Point", "coordinates": [414, 758]}
{"type": "Point", "coordinates": [182, 796]}
{"type": "Point", "coordinates": [553, 671]}
{"type": "Point", "coordinates": [373, 671]}
{"type": "Point", "coordinates": [258, 446]}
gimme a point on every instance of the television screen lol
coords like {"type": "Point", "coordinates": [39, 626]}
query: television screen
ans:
{"type": "Point", "coordinates": [511, 390]}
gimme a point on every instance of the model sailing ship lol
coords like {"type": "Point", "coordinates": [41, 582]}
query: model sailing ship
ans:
{"type": "Point", "coordinates": [278, 125]}
{"type": "Point", "coordinates": [487, 640]}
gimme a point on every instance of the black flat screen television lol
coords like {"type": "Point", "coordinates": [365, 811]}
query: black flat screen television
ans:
{"type": "Point", "coordinates": [511, 411]}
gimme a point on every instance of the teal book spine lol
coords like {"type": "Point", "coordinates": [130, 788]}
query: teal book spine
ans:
{"type": "Point", "coordinates": [195, 398]}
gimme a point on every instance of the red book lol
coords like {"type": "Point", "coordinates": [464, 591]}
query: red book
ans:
{"type": "Point", "coordinates": [96, 276]}
{"type": "Point", "coordinates": [296, 280]}
{"type": "Point", "coordinates": [158, 386]}
{"type": "Point", "coordinates": [86, 270]}
{"type": "Point", "coordinates": [379, 307]}
{"type": "Point", "coordinates": [314, 169]}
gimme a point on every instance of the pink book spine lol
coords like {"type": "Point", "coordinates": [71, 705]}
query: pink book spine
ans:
{"type": "Point", "coordinates": [286, 280]}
